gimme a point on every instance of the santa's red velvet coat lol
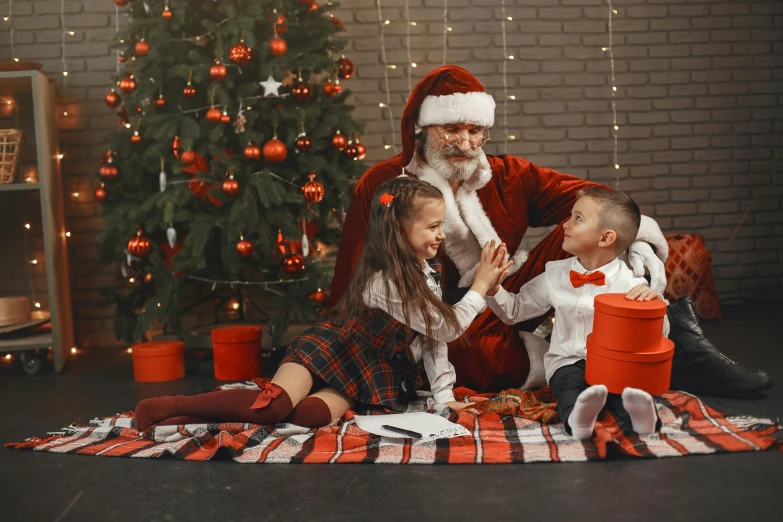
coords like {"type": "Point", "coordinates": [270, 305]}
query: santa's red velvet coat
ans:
{"type": "Point", "coordinates": [505, 197]}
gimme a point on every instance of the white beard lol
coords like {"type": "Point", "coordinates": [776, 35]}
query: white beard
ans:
{"type": "Point", "coordinates": [451, 170]}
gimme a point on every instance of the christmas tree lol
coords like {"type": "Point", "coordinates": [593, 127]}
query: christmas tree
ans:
{"type": "Point", "coordinates": [233, 161]}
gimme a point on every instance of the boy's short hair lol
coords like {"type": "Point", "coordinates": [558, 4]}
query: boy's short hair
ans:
{"type": "Point", "coordinates": [619, 212]}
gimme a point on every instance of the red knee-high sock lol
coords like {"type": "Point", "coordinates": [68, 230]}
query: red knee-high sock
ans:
{"type": "Point", "coordinates": [312, 412]}
{"type": "Point", "coordinates": [272, 404]}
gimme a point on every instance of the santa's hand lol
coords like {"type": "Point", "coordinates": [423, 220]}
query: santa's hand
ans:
{"type": "Point", "coordinates": [641, 255]}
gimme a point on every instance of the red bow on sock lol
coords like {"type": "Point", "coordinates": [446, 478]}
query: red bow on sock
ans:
{"type": "Point", "coordinates": [596, 278]}
{"type": "Point", "coordinates": [269, 391]}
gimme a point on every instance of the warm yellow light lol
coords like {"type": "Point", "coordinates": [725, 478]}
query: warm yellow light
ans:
{"type": "Point", "coordinates": [616, 127]}
{"type": "Point", "coordinates": [16, 59]}
{"type": "Point", "coordinates": [448, 29]}
{"type": "Point", "coordinates": [65, 73]}
{"type": "Point", "coordinates": [617, 166]}
{"type": "Point", "coordinates": [34, 262]}
{"type": "Point", "coordinates": [389, 66]}
{"type": "Point", "coordinates": [5, 18]}
{"type": "Point", "coordinates": [75, 194]}
{"type": "Point", "coordinates": [127, 125]}
{"type": "Point", "coordinates": [614, 89]}
{"type": "Point", "coordinates": [27, 226]}
{"type": "Point", "coordinates": [73, 349]}
{"type": "Point", "coordinates": [413, 65]}
{"type": "Point", "coordinates": [511, 57]}
{"type": "Point", "coordinates": [129, 350]}
{"type": "Point", "coordinates": [512, 97]}
{"type": "Point", "coordinates": [604, 49]}
{"type": "Point", "coordinates": [509, 18]}
{"type": "Point", "coordinates": [71, 33]}
{"type": "Point", "coordinates": [65, 113]}
{"type": "Point", "coordinates": [67, 234]}
{"type": "Point", "coordinates": [8, 357]}
{"type": "Point", "coordinates": [413, 23]}
{"type": "Point", "coordinates": [60, 156]}
{"type": "Point", "coordinates": [235, 306]}
{"type": "Point", "coordinates": [131, 280]}
{"type": "Point", "coordinates": [512, 137]}
{"type": "Point", "coordinates": [38, 305]}
{"type": "Point", "coordinates": [381, 104]}
{"type": "Point", "coordinates": [387, 147]}
{"type": "Point", "coordinates": [386, 22]}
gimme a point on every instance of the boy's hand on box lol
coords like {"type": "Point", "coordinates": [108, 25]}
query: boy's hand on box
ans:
{"type": "Point", "coordinates": [642, 293]}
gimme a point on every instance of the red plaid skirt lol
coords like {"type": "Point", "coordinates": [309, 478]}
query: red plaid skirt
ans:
{"type": "Point", "coordinates": [366, 359]}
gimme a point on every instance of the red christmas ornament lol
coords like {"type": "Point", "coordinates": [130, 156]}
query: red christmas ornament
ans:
{"type": "Point", "coordinates": [160, 102]}
{"type": "Point", "coordinates": [139, 246]}
{"type": "Point", "coordinates": [314, 7]}
{"type": "Point", "coordinates": [230, 186]}
{"type": "Point", "coordinates": [252, 152]}
{"type": "Point", "coordinates": [281, 22]}
{"type": "Point", "coordinates": [113, 99]}
{"type": "Point", "coordinates": [293, 264]}
{"type": "Point", "coordinates": [188, 157]}
{"type": "Point", "coordinates": [139, 110]}
{"type": "Point", "coordinates": [142, 48]}
{"type": "Point", "coordinates": [345, 68]}
{"type": "Point", "coordinates": [176, 147]}
{"type": "Point", "coordinates": [277, 46]}
{"type": "Point", "coordinates": [189, 90]}
{"type": "Point", "coordinates": [336, 21]}
{"type": "Point", "coordinates": [302, 92]}
{"type": "Point", "coordinates": [328, 89]}
{"type": "Point", "coordinates": [166, 12]}
{"type": "Point", "coordinates": [280, 242]}
{"type": "Point", "coordinates": [218, 72]}
{"type": "Point", "coordinates": [135, 138]}
{"type": "Point", "coordinates": [100, 194]}
{"type": "Point", "coordinates": [108, 172]}
{"type": "Point", "coordinates": [361, 151]}
{"type": "Point", "coordinates": [240, 53]}
{"type": "Point", "coordinates": [128, 85]}
{"type": "Point", "coordinates": [304, 143]}
{"type": "Point", "coordinates": [319, 296]}
{"type": "Point", "coordinates": [351, 152]}
{"type": "Point", "coordinates": [225, 118]}
{"type": "Point", "coordinates": [313, 191]}
{"type": "Point", "coordinates": [121, 3]}
{"type": "Point", "coordinates": [338, 141]}
{"type": "Point", "coordinates": [214, 115]}
{"type": "Point", "coordinates": [105, 156]}
{"type": "Point", "coordinates": [245, 248]}
{"type": "Point", "coordinates": [275, 150]}
{"type": "Point", "coordinates": [121, 58]}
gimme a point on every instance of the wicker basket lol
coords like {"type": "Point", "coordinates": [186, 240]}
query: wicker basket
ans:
{"type": "Point", "coordinates": [10, 150]}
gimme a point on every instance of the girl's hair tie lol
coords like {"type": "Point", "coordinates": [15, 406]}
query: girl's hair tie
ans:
{"type": "Point", "coordinates": [386, 199]}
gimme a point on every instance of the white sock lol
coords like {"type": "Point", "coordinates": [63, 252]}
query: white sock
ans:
{"type": "Point", "coordinates": [588, 405]}
{"type": "Point", "coordinates": [641, 408]}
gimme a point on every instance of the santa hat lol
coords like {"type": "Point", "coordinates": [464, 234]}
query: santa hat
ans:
{"type": "Point", "coordinates": [448, 94]}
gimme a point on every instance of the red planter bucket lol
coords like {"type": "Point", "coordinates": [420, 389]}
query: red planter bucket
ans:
{"type": "Point", "coordinates": [159, 361]}
{"type": "Point", "coordinates": [648, 371]}
{"type": "Point", "coordinates": [237, 352]}
{"type": "Point", "coordinates": [628, 326]}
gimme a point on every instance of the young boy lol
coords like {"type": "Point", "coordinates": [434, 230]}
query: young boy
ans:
{"type": "Point", "coordinates": [603, 224]}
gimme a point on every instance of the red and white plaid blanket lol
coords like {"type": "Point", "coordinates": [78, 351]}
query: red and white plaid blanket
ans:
{"type": "Point", "coordinates": [689, 428]}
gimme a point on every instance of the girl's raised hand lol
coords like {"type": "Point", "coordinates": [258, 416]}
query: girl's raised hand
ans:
{"type": "Point", "coordinates": [492, 269]}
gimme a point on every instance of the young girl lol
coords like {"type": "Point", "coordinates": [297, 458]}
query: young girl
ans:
{"type": "Point", "coordinates": [390, 318]}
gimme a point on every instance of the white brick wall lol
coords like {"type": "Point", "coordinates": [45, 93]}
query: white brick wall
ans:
{"type": "Point", "coordinates": [700, 105]}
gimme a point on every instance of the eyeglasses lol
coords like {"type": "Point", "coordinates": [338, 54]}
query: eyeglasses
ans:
{"type": "Point", "coordinates": [455, 139]}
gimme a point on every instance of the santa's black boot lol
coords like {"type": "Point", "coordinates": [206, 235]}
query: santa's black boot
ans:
{"type": "Point", "coordinates": [699, 367]}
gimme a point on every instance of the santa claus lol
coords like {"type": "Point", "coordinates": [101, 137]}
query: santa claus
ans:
{"type": "Point", "coordinates": [444, 127]}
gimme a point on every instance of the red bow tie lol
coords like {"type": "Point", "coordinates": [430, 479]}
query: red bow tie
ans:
{"type": "Point", "coordinates": [597, 278]}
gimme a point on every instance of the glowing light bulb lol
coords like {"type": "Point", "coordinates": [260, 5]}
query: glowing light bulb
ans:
{"type": "Point", "coordinates": [73, 349]}
{"type": "Point", "coordinates": [235, 306]}
{"type": "Point", "coordinates": [38, 305]}
{"type": "Point", "coordinates": [34, 262]}
{"type": "Point", "coordinates": [386, 22]}
{"type": "Point", "coordinates": [387, 147]}
{"type": "Point", "coordinates": [512, 137]}
{"type": "Point", "coordinates": [65, 113]}
{"type": "Point", "coordinates": [616, 127]}
{"type": "Point", "coordinates": [449, 29]}
{"type": "Point", "coordinates": [8, 355]}
{"type": "Point", "coordinates": [129, 350]}
{"type": "Point", "coordinates": [75, 195]}
{"type": "Point", "coordinates": [413, 24]}
{"type": "Point", "coordinates": [27, 226]}
{"type": "Point", "coordinates": [617, 166]}
{"type": "Point", "coordinates": [413, 65]}
{"type": "Point", "coordinates": [71, 33]}
{"type": "Point", "coordinates": [614, 89]}
{"type": "Point", "coordinates": [511, 57]}
{"type": "Point", "coordinates": [131, 280]}
{"type": "Point", "coordinates": [67, 234]}
{"type": "Point", "coordinates": [381, 104]}
{"type": "Point", "coordinates": [509, 18]}
{"type": "Point", "coordinates": [60, 156]}
{"type": "Point", "coordinates": [391, 66]}
{"type": "Point", "coordinates": [65, 73]}
{"type": "Point", "coordinates": [512, 97]}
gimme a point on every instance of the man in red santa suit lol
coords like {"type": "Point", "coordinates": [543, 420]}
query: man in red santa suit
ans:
{"type": "Point", "coordinates": [444, 126]}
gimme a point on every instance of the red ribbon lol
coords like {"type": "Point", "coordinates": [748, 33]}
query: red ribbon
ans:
{"type": "Point", "coordinates": [597, 278]}
{"type": "Point", "coordinates": [269, 391]}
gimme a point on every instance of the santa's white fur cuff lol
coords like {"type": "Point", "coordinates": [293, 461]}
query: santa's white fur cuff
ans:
{"type": "Point", "coordinates": [477, 108]}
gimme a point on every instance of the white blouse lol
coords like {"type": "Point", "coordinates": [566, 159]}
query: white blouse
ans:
{"type": "Point", "coordinates": [573, 306]}
{"type": "Point", "coordinates": [440, 371]}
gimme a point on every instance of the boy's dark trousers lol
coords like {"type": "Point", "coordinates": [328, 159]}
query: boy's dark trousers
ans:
{"type": "Point", "coordinates": [569, 381]}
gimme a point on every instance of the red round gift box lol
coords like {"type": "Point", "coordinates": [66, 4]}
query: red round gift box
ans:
{"type": "Point", "coordinates": [159, 361]}
{"type": "Point", "coordinates": [237, 352]}
{"type": "Point", "coordinates": [648, 371]}
{"type": "Point", "coordinates": [628, 326]}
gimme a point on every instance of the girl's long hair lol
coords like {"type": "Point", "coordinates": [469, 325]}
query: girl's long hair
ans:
{"type": "Point", "coordinates": [387, 251]}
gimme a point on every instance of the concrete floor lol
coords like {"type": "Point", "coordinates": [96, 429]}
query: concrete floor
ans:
{"type": "Point", "coordinates": [45, 487]}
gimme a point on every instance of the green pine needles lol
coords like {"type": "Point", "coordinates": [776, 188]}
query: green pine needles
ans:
{"type": "Point", "coordinates": [173, 153]}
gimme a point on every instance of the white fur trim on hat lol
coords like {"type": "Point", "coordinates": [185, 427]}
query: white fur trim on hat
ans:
{"type": "Point", "coordinates": [477, 108]}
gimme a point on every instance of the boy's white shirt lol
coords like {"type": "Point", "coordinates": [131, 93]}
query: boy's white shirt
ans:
{"type": "Point", "coordinates": [574, 308]}
{"type": "Point", "coordinates": [440, 371]}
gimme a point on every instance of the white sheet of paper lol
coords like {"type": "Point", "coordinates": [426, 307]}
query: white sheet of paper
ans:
{"type": "Point", "coordinates": [430, 426]}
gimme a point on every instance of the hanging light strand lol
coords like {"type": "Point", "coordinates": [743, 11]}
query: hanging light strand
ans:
{"type": "Point", "coordinates": [30, 267]}
{"type": "Point", "coordinates": [445, 29]}
{"type": "Point", "coordinates": [505, 78]}
{"type": "Point", "coordinates": [385, 64]}
{"type": "Point", "coordinates": [615, 128]}
{"type": "Point", "coordinates": [65, 62]}
{"type": "Point", "coordinates": [10, 20]}
{"type": "Point", "coordinates": [116, 31]}
{"type": "Point", "coordinates": [408, 24]}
